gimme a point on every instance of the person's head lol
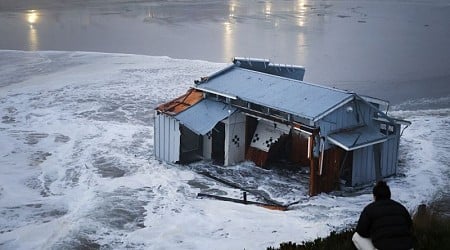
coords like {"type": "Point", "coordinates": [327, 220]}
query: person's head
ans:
{"type": "Point", "coordinates": [381, 191]}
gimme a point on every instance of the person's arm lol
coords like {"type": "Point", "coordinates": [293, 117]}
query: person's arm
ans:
{"type": "Point", "coordinates": [363, 227]}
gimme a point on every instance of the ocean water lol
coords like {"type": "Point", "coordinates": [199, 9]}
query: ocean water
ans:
{"type": "Point", "coordinates": [77, 168]}
{"type": "Point", "coordinates": [395, 50]}
{"type": "Point", "coordinates": [76, 128]}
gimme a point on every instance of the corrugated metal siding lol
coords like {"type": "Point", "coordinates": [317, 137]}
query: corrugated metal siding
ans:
{"type": "Point", "coordinates": [389, 156]}
{"type": "Point", "coordinates": [167, 138]}
{"type": "Point", "coordinates": [156, 136]}
{"type": "Point", "coordinates": [363, 166]}
{"type": "Point", "coordinates": [365, 111]}
{"type": "Point", "coordinates": [338, 119]}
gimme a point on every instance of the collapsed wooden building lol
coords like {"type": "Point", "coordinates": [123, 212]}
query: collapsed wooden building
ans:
{"type": "Point", "coordinates": [263, 112]}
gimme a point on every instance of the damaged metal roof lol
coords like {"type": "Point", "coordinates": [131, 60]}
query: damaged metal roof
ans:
{"type": "Point", "coordinates": [288, 95]}
{"type": "Point", "coordinates": [179, 104]}
{"type": "Point", "coordinates": [203, 116]}
{"type": "Point", "coordinates": [357, 138]}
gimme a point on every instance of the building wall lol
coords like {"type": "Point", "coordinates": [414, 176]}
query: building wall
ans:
{"type": "Point", "coordinates": [342, 117]}
{"type": "Point", "coordinates": [364, 161]}
{"type": "Point", "coordinates": [363, 170]}
{"type": "Point", "coordinates": [389, 158]}
{"type": "Point", "coordinates": [389, 153]}
{"type": "Point", "coordinates": [166, 138]}
{"type": "Point", "coordinates": [363, 166]}
{"type": "Point", "coordinates": [234, 139]}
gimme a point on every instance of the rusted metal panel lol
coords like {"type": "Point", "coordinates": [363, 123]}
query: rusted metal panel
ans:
{"type": "Point", "coordinates": [299, 149]}
{"type": "Point", "coordinates": [258, 156]}
{"type": "Point", "coordinates": [312, 167]}
{"type": "Point", "coordinates": [328, 180]}
{"type": "Point", "coordinates": [181, 103]}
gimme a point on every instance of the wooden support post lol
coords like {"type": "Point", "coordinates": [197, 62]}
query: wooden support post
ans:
{"type": "Point", "coordinates": [245, 196]}
{"type": "Point", "coordinates": [312, 168]}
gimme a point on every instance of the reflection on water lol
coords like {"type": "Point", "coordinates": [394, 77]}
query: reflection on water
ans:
{"type": "Point", "coordinates": [301, 9]}
{"type": "Point", "coordinates": [33, 39]}
{"type": "Point", "coordinates": [268, 9]}
{"type": "Point", "coordinates": [270, 31]}
{"type": "Point", "coordinates": [341, 43]}
{"type": "Point", "coordinates": [32, 18]}
{"type": "Point", "coordinates": [301, 20]}
{"type": "Point", "coordinates": [168, 28]}
{"type": "Point", "coordinates": [228, 33]}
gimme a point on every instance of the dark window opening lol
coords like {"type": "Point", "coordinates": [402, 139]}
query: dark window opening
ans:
{"type": "Point", "coordinates": [387, 129]}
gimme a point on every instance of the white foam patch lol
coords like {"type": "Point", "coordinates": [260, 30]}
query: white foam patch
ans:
{"type": "Point", "coordinates": [77, 170]}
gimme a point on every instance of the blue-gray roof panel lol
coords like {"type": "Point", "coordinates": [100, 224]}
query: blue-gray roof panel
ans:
{"type": "Point", "coordinates": [203, 116]}
{"type": "Point", "coordinates": [288, 95]}
{"type": "Point", "coordinates": [357, 138]}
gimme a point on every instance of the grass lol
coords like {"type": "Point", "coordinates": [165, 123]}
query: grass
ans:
{"type": "Point", "coordinates": [430, 231]}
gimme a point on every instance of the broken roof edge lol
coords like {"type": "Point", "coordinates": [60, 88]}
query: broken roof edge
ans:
{"type": "Point", "coordinates": [390, 119]}
{"type": "Point", "coordinates": [341, 145]}
{"type": "Point", "coordinates": [201, 117]}
{"type": "Point", "coordinates": [216, 93]}
{"type": "Point", "coordinates": [214, 75]}
{"type": "Point", "coordinates": [375, 100]}
{"type": "Point", "coordinates": [180, 103]}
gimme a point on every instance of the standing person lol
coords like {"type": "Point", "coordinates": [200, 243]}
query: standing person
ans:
{"type": "Point", "coordinates": [384, 224]}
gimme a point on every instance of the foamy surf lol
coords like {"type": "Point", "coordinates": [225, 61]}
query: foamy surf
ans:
{"type": "Point", "coordinates": [77, 167]}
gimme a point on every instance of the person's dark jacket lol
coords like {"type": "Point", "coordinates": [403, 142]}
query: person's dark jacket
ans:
{"type": "Point", "coordinates": [387, 223]}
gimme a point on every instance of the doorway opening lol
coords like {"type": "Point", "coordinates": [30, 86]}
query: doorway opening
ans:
{"type": "Point", "coordinates": [218, 144]}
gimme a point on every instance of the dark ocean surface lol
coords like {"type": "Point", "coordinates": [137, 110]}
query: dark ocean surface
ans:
{"type": "Point", "coordinates": [394, 50]}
